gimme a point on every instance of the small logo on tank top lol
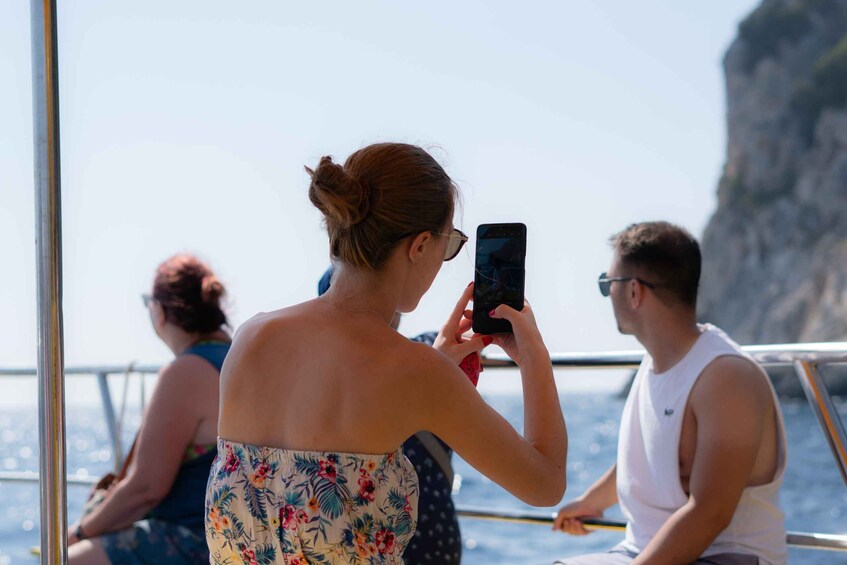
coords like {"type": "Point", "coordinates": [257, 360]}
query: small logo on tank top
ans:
{"type": "Point", "coordinates": [668, 411]}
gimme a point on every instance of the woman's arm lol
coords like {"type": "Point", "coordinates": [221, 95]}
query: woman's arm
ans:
{"type": "Point", "coordinates": [532, 466]}
{"type": "Point", "coordinates": [168, 427]}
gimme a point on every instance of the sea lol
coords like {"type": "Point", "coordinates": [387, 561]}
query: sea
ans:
{"type": "Point", "coordinates": [814, 496]}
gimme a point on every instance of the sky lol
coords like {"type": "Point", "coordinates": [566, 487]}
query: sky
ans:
{"type": "Point", "coordinates": [185, 126]}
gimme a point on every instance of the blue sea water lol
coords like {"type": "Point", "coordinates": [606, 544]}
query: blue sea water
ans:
{"type": "Point", "coordinates": [814, 496]}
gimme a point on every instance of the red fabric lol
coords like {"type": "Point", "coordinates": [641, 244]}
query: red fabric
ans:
{"type": "Point", "coordinates": [472, 367]}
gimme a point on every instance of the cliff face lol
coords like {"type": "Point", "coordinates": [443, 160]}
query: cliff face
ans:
{"type": "Point", "coordinates": [775, 251]}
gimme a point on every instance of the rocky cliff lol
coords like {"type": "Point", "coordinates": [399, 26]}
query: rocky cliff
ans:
{"type": "Point", "coordinates": [775, 251]}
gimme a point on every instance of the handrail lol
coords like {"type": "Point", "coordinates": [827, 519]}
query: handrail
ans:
{"type": "Point", "coordinates": [828, 417]}
{"type": "Point", "coordinates": [101, 372]}
{"type": "Point", "coordinates": [771, 355]}
{"type": "Point", "coordinates": [778, 354]}
{"type": "Point", "coordinates": [832, 542]}
{"type": "Point", "coordinates": [84, 370]}
{"type": "Point", "coordinates": [805, 359]}
{"type": "Point", "coordinates": [31, 477]}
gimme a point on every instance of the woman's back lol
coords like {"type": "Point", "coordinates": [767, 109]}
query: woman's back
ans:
{"type": "Point", "coordinates": [317, 472]}
{"type": "Point", "coordinates": [319, 378]}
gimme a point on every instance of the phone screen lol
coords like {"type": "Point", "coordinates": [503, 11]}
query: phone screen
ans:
{"type": "Point", "coordinates": [499, 279]}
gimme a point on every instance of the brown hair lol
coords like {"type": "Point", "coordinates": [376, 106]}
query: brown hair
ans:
{"type": "Point", "coordinates": [190, 294]}
{"type": "Point", "coordinates": [384, 193]}
{"type": "Point", "coordinates": [667, 255]}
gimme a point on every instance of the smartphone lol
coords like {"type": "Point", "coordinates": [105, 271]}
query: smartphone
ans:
{"type": "Point", "coordinates": [499, 274]}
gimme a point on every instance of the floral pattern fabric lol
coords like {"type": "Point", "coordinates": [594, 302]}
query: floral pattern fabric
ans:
{"type": "Point", "coordinates": [272, 506]}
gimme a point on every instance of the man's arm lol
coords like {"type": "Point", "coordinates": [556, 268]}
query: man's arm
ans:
{"type": "Point", "coordinates": [729, 402]}
{"type": "Point", "coordinates": [596, 499]}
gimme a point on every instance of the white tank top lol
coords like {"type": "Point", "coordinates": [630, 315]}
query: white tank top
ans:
{"type": "Point", "coordinates": [648, 483]}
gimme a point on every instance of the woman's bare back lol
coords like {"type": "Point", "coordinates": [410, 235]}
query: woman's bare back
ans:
{"type": "Point", "coordinates": [314, 377]}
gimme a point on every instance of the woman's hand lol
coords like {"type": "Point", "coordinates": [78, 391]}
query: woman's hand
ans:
{"type": "Point", "coordinates": [525, 341]}
{"type": "Point", "coordinates": [72, 539]}
{"type": "Point", "coordinates": [451, 340]}
{"type": "Point", "coordinates": [531, 467]}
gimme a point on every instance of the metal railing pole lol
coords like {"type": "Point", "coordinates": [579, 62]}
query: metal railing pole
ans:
{"type": "Point", "coordinates": [824, 410]}
{"type": "Point", "coordinates": [48, 234]}
{"type": "Point", "coordinates": [111, 421]}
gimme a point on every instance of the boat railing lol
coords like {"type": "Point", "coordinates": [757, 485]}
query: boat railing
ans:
{"type": "Point", "coordinates": [805, 359]}
{"type": "Point", "coordinates": [102, 374]}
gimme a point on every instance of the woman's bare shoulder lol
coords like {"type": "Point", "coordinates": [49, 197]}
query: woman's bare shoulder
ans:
{"type": "Point", "coordinates": [183, 365]}
{"type": "Point", "coordinates": [423, 367]}
{"type": "Point", "coordinates": [187, 381]}
{"type": "Point", "coordinates": [266, 336]}
{"type": "Point", "coordinates": [266, 326]}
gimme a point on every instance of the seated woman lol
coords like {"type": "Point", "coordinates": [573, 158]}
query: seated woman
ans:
{"type": "Point", "coordinates": [155, 513]}
{"type": "Point", "coordinates": [317, 398]}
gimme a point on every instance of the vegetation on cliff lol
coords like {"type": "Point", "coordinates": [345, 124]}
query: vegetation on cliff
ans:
{"type": "Point", "coordinates": [774, 24]}
{"type": "Point", "coordinates": [778, 25]}
{"type": "Point", "coordinates": [825, 88]}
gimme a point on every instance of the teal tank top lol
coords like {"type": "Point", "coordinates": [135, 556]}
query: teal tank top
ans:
{"type": "Point", "coordinates": [184, 503]}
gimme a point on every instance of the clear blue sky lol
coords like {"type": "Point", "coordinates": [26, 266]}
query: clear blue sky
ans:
{"type": "Point", "coordinates": [186, 125]}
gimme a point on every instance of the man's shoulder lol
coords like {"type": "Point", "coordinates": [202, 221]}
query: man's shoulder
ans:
{"type": "Point", "coordinates": [718, 338]}
{"type": "Point", "coordinates": [725, 357]}
{"type": "Point", "coordinates": [735, 365]}
{"type": "Point", "coordinates": [731, 375]}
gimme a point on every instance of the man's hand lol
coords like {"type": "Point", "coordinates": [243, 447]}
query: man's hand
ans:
{"type": "Point", "coordinates": [568, 520]}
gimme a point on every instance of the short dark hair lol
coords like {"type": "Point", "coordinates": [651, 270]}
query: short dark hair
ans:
{"type": "Point", "coordinates": [667, 255]}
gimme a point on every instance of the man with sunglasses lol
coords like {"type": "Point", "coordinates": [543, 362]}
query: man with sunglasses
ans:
{"type": "Point", "coordinates": [701, 451]}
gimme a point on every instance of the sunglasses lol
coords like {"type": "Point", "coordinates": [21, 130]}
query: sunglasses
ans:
{"type": "Point", "coordinates": [457, 241]}
{"type": "Point", "coordinates": [605, 282]}
{"type": "Point", "coordinates": [147, 299]}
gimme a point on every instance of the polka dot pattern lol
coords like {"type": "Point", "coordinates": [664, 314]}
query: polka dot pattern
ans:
{"type": "Point", "coordinates": [437, 538]}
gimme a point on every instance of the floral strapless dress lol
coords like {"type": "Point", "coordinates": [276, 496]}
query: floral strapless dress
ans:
{"type": "Point", "coordinates": [267, 505]}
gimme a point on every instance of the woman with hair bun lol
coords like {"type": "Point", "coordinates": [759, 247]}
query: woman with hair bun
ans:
{"type": "Point", "coordinates": [317, 398]}
{"type": "Point", "coordinates": [153, 511]}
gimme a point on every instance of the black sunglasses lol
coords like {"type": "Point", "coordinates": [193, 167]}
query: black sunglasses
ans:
{"type": "Point", "coordinates": [605, 282]}
{"type": "Point", "coordinates": [457, 241]}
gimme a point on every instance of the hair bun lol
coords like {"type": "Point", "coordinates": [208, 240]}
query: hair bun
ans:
{"type": "Point", "coordinates": [190, 294]}
{"type": "Point", "coordinates": [342, 199]}
{"type": "Point", "coordinates": [211, 290]}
